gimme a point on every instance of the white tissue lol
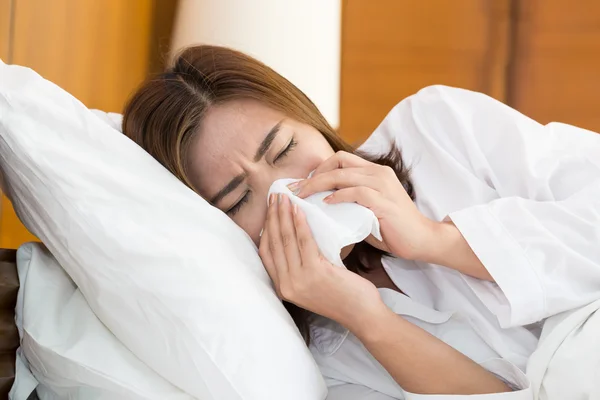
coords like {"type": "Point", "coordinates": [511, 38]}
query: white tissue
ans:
{"type": "Point", "coordinates": [334, 226]}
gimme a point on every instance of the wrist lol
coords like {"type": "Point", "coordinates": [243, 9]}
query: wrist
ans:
{"type": "Point", "coordinates": [451, 250]}
{"type": "Point", "coordinates": [443, 239]}
{"type": "Point", "coordinates": [435, 242]}
{"type": "Point", "coordinates": [369, 324]}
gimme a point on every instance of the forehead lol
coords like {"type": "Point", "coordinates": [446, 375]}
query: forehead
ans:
{"type": "Point", "coordinates": [228, 132]}
{"type": "Point", "coordinates": [236, 125]}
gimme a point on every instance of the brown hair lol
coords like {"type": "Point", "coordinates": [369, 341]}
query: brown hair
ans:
{"type": "Point", "coordinates": [166, 111]}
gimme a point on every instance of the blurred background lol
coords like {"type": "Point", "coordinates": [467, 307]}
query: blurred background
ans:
{"type": "Point", "coordinates": [355, 58]}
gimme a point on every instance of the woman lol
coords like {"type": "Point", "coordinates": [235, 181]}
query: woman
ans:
{"type": "Point", "coordinates": [493, 229]}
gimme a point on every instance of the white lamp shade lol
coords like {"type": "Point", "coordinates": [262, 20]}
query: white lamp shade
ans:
{"type": "Point", "coordinates": [300, 39]}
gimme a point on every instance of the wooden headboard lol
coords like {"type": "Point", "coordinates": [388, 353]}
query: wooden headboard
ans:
{"type": "Point", "coordinates": [9, 336]}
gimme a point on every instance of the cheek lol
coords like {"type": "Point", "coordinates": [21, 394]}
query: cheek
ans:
{"type": "Point", "coordinates": [322, 148]}
{"type": "Point", "coordinates": [317, 152]}
{"type": "Point", "coordinates": [252, 221]}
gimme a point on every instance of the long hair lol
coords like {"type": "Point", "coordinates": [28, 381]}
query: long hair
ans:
{"type": "Point", "coordinates": [166, 111]}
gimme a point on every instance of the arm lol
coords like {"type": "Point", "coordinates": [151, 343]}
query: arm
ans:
{"type": "Point", "coordinates": [538, 239]}
{"type": "Point", "coordinates": [452, 250]}
{"type": "Point", "coordinates": [418, 361]}
{"type": "Point", "coordinates": [347, 391]}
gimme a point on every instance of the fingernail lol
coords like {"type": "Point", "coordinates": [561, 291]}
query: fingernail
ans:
{"type": "Point", "coordinates": [295, 208]}
{"type": "Point", "coordinates": [328, 198]}
{"type": "Point", "coordinates": [271, 198]}
{"type": "Point", "coordinates": [295, 187]}
{"type": "Point", "coordinates": [279, 198]}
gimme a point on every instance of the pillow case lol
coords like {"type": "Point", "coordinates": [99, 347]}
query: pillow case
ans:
{"type": "Point", "coordinates": [67, 349]}
{"type": "Point", "coordinates": [112, 119]}
{"type": "Point", "coordinates": [174, 279]}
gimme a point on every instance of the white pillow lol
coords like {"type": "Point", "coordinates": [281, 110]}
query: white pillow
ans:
{"type": "Point", "coordinates": [113, 119]}
{"type": "Point", "coordinates": [68, 350]}
{"type": "Point", "coordinates": [174, 279]}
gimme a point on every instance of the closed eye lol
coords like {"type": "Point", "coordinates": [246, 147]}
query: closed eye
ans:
{"type": "Point", "coordinates": [237, 206]}
{"type": "Point", "coordinates": [286, 151]}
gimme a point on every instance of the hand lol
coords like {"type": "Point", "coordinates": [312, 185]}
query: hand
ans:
{"type": "Point", "coordinates": [405, 231]}
{"type": "Point", "coordinates": [304, 277]}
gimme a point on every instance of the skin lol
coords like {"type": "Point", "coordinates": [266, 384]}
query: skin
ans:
{"type": "Point", "coordinates": [226, 147]}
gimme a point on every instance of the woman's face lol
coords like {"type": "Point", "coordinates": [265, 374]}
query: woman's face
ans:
{"type": "Point", "coordinates": [242, 147]}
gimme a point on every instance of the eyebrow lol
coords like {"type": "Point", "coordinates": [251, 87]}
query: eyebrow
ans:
{"type": "Point", "coordinates": [260, 153]}
{"type": "Point", "coordinates": [230, 187]}
{"type": "Point", "coordinates": [267, 142]}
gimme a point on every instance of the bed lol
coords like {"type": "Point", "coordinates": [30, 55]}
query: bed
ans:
{"type": "Point", "coordinates": [9, 336]}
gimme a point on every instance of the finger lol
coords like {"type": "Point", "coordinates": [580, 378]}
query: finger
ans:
{"type": "Point", "coordinates": [274, 242]}
{"type": "Point", "coordinates": [309, 251]}
{"type": "Point", "coordinates": [341, 159]}
{"type": "Point", "coordinates": [267, 259]}
{"type": "Point", "coordinates": [366, 197]}
{"type": "Point", "coordinates": [288, 234]}
{"type": "Point", "coordinates": [362, 195]}
{"type": "Point", "coordinates": [338, 179]}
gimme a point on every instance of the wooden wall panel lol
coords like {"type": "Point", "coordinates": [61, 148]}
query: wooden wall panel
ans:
{"type": "Point", "coordinates": [96, 50]}
{"type": "Point", "coordinates": [163, 19]}
{"type": "Point", "coordinates": [5, 13]}
{"type": "Point", "coordinates": [556, 68]}
{"type": "Point", "coordinates": [393, 48]}
{"type": "Point", "coordinates": [99, 51]}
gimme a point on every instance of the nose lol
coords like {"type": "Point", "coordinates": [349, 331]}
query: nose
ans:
{"type": "Point", "coordinates": [265, 178]}
{"type": "Point", "coordinates": [261, 177]}
{"type": "Point", "coordinates": [261, 181]}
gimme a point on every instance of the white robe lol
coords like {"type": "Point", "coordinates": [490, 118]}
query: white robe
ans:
{"type": "Point", "coordinates": [526, 197]}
